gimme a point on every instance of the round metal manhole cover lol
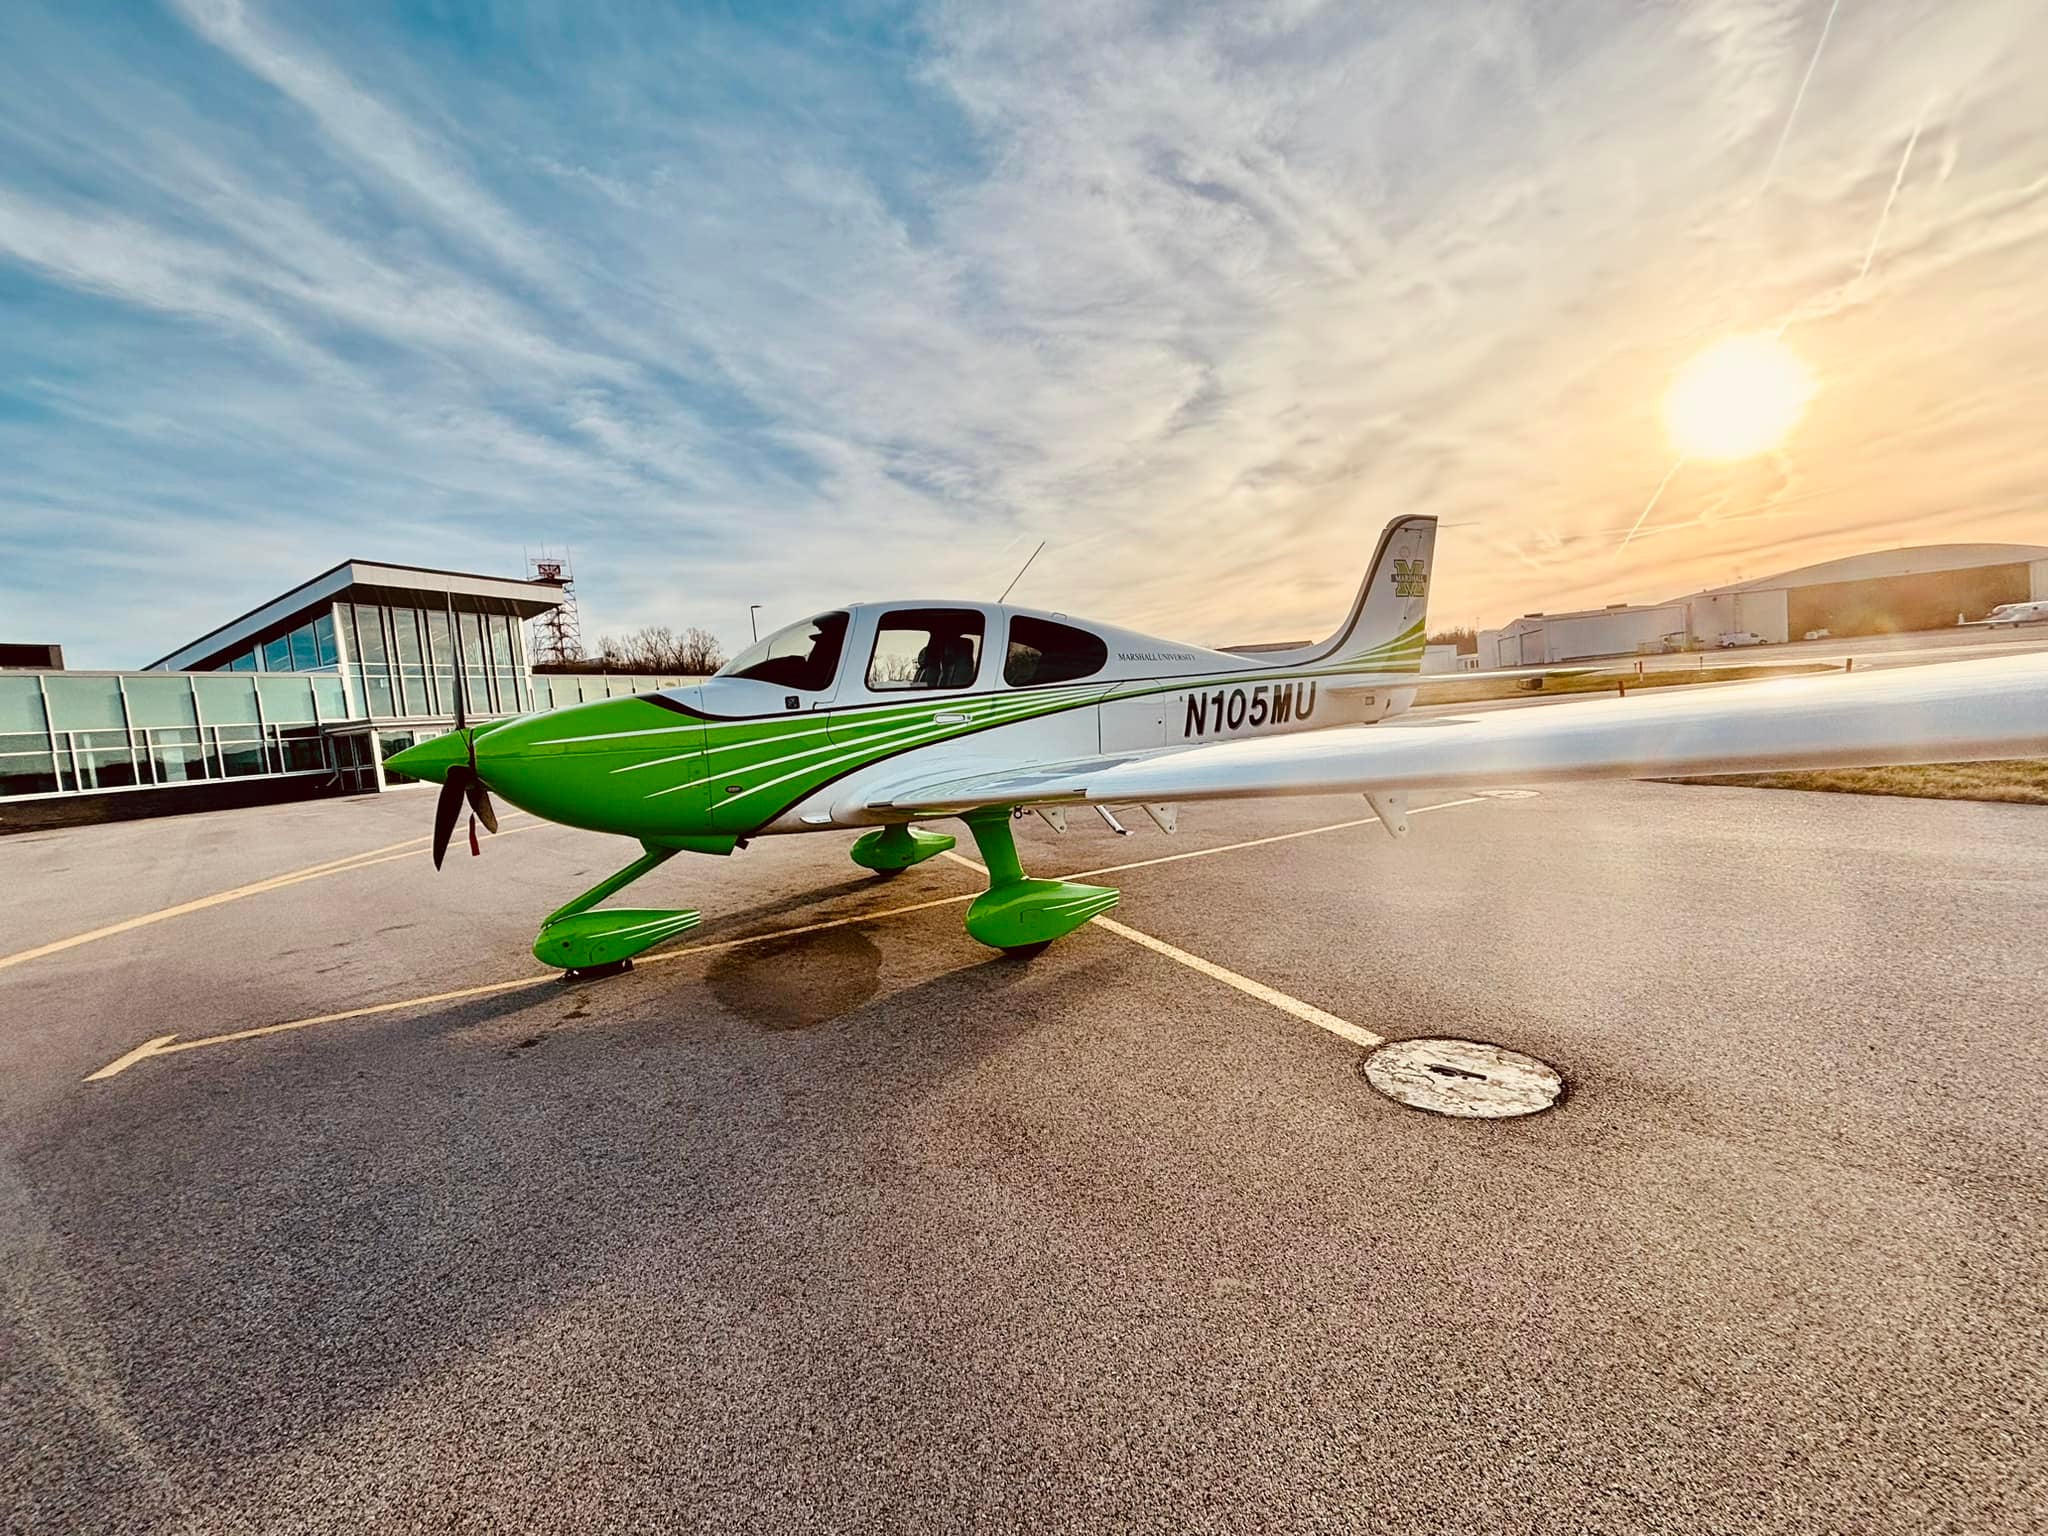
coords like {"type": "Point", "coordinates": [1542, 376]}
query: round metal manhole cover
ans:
{"type": "Point", "coordinates": [1463, 1078]}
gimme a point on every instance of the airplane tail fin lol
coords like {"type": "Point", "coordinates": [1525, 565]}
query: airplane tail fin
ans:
{"type": "Point", "coordinates": [1384, 630]}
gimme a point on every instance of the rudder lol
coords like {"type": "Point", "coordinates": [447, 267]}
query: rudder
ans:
{"type": "Point", "coordinates": [1389, 617]}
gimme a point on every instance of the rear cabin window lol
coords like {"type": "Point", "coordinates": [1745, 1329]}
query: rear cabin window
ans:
{"type": "Point", "coordinates": [1044, 652]}
{"type": "Point", "coordinates": [803, 656]}
{"type": "Point", "coordinates": [926, 648]}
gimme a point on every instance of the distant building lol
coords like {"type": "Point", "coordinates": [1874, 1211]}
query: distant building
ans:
{"type": "Point", "coordinates": [1885, 592]}
{"type": "Point", "coordinates": [306, 694]}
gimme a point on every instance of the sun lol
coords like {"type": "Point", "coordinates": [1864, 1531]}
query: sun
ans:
{"type": "Point", "coordinates": [1739, 397]}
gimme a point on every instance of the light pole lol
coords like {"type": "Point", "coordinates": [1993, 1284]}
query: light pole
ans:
{"type": "Point", "coordinates": [753, 623]}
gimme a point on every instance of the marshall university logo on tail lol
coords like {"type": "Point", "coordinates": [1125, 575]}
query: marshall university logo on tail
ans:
{"type": "Point", "coordinates": [1411, 578]}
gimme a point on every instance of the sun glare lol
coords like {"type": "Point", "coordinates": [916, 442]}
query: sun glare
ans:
{"type": "Point", "coordinates": [1739, 397]}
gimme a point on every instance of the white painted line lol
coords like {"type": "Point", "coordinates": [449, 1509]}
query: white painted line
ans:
{"type": "Point", "coordinates": [1308, 1013]}
{"type": "Point", "coordinates": [1260, 842]}
{"type": "Point", "coordinates": [1273, 997]}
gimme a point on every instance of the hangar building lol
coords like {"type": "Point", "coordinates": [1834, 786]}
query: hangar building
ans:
{"type": "Point", "coordinates": [1884, 592]}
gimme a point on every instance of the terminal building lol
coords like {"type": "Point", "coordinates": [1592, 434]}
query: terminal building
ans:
{"type": "Point", "coordinates": [306, 694]}
{"type": "Point", "coordinates": [1886, 592]}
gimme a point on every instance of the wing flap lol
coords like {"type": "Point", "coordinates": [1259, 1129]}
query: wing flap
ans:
{"type": "Point", "coordinates": [1947, 712]}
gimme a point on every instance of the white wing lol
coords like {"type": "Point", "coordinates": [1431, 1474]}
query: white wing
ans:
{"type": "Point", "coordinates": [1949, 712]}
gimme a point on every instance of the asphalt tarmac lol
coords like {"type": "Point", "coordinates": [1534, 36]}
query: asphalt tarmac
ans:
{"type": "Point", "coordinates": [828, 1219]}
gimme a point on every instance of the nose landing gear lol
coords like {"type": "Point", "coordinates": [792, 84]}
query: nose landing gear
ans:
{"type": "Point", "coordinates": [587, 943]}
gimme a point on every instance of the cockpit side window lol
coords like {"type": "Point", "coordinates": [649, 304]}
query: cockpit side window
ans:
{"type": "Point", "coordinates": [1043, 652]}
{"type": "Point", "coordinates": [926, 648]}
{"type": "Point", "coordinates": [803, 656]}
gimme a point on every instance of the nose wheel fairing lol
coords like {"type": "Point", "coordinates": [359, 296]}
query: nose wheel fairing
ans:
{"type": "Point", "coordinates": [579, 938]}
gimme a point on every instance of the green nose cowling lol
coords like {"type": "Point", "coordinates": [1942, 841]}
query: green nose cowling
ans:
{"type": "Point", "coordinates": [431, 760]}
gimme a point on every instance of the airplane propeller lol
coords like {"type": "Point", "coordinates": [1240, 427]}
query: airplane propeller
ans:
{"type": "Point", "coordinates": [462, 784]}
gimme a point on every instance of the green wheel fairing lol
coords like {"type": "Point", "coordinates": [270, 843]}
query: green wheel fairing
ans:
{"type": "Point", "coordinates": [1017, 912]}
{"type": "Point", "coordinates": [577, 938]}
{"type": "Point", "coordinates": [897, 847]}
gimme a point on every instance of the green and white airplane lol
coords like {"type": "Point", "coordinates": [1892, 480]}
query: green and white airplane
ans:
{"type": "Point", "coordinates": [882, 715]}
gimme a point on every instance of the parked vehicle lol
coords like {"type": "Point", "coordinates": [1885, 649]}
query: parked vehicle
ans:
{"type": "Point", "coordinates": [1818, 634]}
{"type": "Point", "coordinates": [1740, 637]}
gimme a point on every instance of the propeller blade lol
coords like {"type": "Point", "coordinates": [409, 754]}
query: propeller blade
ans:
{"type": "Point", "coordinates": [446, 809]}
{"type": "Point", "coordinates": [480, 802]}
{"type": "Point", "coordinates": [474, 850]}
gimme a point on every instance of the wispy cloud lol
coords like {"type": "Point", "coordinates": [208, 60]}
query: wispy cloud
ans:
{"type": "Point", "coordinates": [847, 305]}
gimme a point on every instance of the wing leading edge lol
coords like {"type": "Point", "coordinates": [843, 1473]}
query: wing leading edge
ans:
{"type": "Point", "coordinates": [1946, 712]}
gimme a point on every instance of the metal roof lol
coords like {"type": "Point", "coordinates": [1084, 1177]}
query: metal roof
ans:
{"type": "Point", "coordinates": [527, 598]}
{"type": "Point", "coordinates": [1919, 560]}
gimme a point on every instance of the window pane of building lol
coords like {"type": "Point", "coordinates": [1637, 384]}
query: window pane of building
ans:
{"type": "Point", "coordinates": [405, 625]}
{"type": "Point", "coordinates": [227, 700]}
{"type": "Point", "coordinates": [277, 654]}
{"type": "Point", "coordinates": [305, 652]}
{"type": "Point", "coordinates": [105, 770]}
{"type": "Point", "coordinates": [323, 640]}
{"type": "Point", "coordinates": [28, 773]}
{"type": "Point", "coordinates": [176, 757]}
{"type": "Point", "coordinates": [299, 748]}
{"type": "Point", "coordinates": [165, 700]}
{"type": "Point", "coordinates": [21, 704]}
{"type": "Point", "coordinates": [327, 692]}
{"type": "Point", "coordinates": [85, 703]}
{"type": "Point", "coordinates": [241, 751]}
{"type": "Point", "coordinates": [286, 700]}
{"type": "Point", "coordinates": [243, 663]}
{"type": "Point", "coordinates": [369, 634]}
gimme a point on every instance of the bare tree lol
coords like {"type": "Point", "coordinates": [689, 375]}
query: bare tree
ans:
{"type": "Point", "coordinates": [699, 654]}
{"type": "Point", "coordinates": [655, 648]}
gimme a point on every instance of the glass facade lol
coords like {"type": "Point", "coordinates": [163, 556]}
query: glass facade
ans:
{"type": "Point", "coordinates": [403, 660]}
{"type": "Point", "coordinates": [334, 689]}
{"type": "Point", "coordinates": [68, 732]}
{"type": "Point", "coordinates": [307, 648]}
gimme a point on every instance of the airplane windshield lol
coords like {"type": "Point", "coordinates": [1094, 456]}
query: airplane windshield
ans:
{"type": "Point", "coordinates": [803, 656]}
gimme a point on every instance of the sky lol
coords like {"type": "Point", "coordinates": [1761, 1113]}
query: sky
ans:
{"type": "Point", "coordinates": [803, 305]}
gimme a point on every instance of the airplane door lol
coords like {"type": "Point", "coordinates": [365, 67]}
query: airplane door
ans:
{"type": "Point", "coordinates": [904, 666]}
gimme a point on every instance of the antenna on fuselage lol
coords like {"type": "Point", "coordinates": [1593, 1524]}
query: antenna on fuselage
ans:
{"type": "Point", "coordinates": [1020, 571]}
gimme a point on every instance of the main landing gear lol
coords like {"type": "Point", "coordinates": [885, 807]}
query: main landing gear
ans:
{"type": "Point", "coordinates": [1020, 914]}
{"type": "Point", "coordinates": [587, 944]}
{"type": "Point", "coordinates": [898, 846]}
{"type": "Point", "coordinates": [1015, 913]}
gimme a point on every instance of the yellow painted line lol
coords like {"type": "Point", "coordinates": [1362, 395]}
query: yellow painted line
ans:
{"type": "Point", "coordinates": [341, 866]}
{"type": "Point", "coordinates": [169, 1045]}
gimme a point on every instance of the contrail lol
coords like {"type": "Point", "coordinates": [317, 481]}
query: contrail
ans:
{"type": "Point", "coordinates": [1897, 181]}
{"type": "Point", "coordinates": [1655, 497]}
{"type": "Point", "coordinates": [1812, 64]}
